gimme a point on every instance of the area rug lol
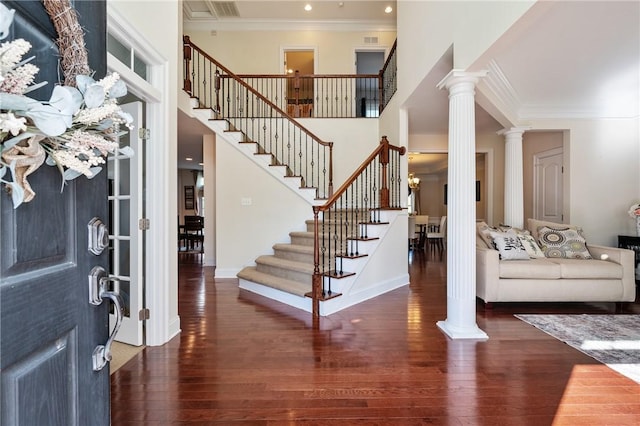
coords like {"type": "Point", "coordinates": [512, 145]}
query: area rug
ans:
{"type": "Point", "coordinates": [121, 354]}
{"type": "Point", "coordinates": [613, 340]}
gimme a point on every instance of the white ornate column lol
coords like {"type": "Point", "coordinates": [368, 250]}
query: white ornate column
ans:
{"type": "Point", "coordinates": [513, 181]}
{"type": "Point", "coordinates": [461, 208]}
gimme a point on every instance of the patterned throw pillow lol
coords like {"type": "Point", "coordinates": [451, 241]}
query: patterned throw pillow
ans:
{"type": "Point", "coordinates": [509, 246]}
{"type": "Point", "coordinates": [531, 246]}
{"type": "Point", "coordinates": [566, 243]}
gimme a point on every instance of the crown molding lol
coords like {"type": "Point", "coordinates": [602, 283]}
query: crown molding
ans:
{"type": "Point", "coordinates": [496, 86]}
{"type": "Point", "coordinates": [232, 24]}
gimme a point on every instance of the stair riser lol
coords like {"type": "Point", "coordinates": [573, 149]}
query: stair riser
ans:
{"type": "Point", "coordinates": [292, 255]}
{"type": "Point", "coordinates": [277, 271]}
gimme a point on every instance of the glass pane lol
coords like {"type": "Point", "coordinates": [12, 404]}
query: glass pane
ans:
{"type": "Point", "coordinates": [125, 173]}
{"type": "Point", "coordinates": [139, 66]}
{"type": "Point", "coordinates": [124, 217]}
{"type": "Point", "coordinates": [120, 51]}
{"type": "Point", "coordinates": [124, 257]}
{"type": "Point", "coordinates": [125, 292]}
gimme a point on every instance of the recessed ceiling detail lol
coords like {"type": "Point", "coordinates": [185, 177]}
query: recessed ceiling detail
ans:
{"type": "Point", "coordinates": [225, 9]}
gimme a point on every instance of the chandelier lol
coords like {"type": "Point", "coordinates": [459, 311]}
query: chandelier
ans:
{"type": "Point", "coordinates": [414, 182]}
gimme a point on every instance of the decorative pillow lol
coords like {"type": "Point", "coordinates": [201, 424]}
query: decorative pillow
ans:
{"type": "Point", "coordinates": [566, 243]}
{"type": "Point", "coordinates": [509, 246]}
{"type": "Point", "coordinates": [484, 232]}
{"type": "Point", "coordinates": [508, 228]}
{"type": "Point", "coordinates": [534, 224]}
{"type": "Point", "coordinates": [531, 246]}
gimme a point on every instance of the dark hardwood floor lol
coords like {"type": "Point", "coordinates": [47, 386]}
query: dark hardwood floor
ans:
{"type": "Point", "coordinates": [244, 359]}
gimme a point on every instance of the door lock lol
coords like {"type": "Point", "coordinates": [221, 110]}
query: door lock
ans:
{"type": "Point", "coordinates": [98, 236]}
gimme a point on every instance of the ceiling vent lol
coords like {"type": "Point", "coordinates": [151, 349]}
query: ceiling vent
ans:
{"type": "Point", "coordinates": [371, 40]}
{"type": "Point", "coordinates": [226, 9]}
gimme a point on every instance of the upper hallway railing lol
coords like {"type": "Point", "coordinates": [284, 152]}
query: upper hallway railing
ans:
{"type": "Point", "coordinates": [263, 122]}
{"type": "Point", "coordinates": [389, 77]}
{"type": "Point", "coordinates": [348, 214]}
{"type": "Point", "coordinates": [321, 96]}
{"type": "Point", "coordinates": [329, 95]}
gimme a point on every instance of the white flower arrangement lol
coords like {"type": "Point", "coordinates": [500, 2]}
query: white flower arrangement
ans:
{"type": "Point", "coordinates": [634, 210]}
{"type": "Point", "coordinates": [74, 130]}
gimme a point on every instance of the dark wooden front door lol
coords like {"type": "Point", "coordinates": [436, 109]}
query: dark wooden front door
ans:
{"type": "Point", "coordinates": [48, 328]}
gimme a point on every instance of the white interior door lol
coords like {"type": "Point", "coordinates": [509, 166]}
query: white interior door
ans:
{"type": "Point", "coordinates": [126, 242]}
{"type": "Point", "coordinates": [548, 191]}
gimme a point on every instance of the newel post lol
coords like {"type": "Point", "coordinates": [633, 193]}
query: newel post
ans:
{"type": "Point", "coordinates": [384, 165]}
{"type": "Point", "coordinates": [186, 56]}
{"type": "Point", "coordinates": [316, 283]}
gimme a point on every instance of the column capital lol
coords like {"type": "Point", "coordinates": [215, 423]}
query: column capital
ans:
{"type": "Point", "coordinates": [456, 76]}
{"type": "Point", "coordinates": [514, 131]}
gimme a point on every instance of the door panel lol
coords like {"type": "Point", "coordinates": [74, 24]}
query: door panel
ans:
{"type": "Point", "coordinates": [125, 204]}
{"type": "Point", "coordinates": [49, 330]}
{"type": "Point", "coordinates": [548, 198]}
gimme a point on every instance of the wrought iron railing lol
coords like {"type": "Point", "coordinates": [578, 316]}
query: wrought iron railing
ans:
{"type": "Point", "coordinates": [342, 223]}
{"type": "Point", "coordinates": [321, 96]}
{"type": "Point", "coordinates": [261, 121]}
{"type": "Point", "coordinates": [388, 78]}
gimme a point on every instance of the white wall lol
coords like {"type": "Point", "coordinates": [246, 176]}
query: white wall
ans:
{"type": "Point", "coordinates": [426, 29]}
{"type": "Point", "coordinates": [353, 140]}
{"type": "Point", "coordinates": [244, 232]}
{"type": "Point", "coordinates": [259, 52]}
{"type": "Point", "coordinates": [162, 238]}
{"type": "Point", "coordinates": [604, 175]}
{"type": "Point", "coordinates": [209, 155]}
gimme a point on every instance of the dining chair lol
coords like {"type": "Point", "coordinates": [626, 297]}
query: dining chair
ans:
{"type": "Point", "coordinates": [413, 235]}
{"type": "Point", "coordinates": [437, 238]}
{"type": "Point", "coordinates": [422, 222]}
{"type": "Point", "coordinates": [193, 232]}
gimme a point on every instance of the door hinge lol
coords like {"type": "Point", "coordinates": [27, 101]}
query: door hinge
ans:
{"type": "Point", "coordinates": [143, 224]}
{"type": "Point", "coordinates": [144, 133]}
{"type": "Point", "coordinates": [143, 315]}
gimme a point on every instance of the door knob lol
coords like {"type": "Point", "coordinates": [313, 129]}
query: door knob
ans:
{"type": "Point", "coordinates": [98, 290]}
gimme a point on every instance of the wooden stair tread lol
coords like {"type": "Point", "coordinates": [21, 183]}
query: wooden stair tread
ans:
{"type": "Point", "coordinates": [324, 297]}
{"type": "Point", "coordinates": [335, 274]}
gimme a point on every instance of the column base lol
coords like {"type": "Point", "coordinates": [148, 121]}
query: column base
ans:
{"type": "Point", "coordinates": [456, 332]}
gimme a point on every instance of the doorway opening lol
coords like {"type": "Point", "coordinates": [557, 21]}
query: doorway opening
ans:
{"type": "Point", "coordinates": [367, 90]}
{"type": "Point", "coordinates": [300, 91]}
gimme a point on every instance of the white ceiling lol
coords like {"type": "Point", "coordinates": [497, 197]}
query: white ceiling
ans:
{"type": "Point", "coordinates": [263, 14]}
{"type": "Point", "coordinates": [563, 59]}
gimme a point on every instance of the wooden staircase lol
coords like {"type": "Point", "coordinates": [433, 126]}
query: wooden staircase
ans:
{"type": "Point", "coordinates": [348, 225]}
{"type": "Point", "coordinates": [287, 274]}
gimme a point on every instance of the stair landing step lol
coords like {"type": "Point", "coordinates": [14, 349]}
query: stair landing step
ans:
{"type": "Point", "coordinates": [338, 274]}
{"type": "Point", "coordinates": [325, 296]}
{"type": "Point", "coordinates": [250, 273]}
{"type": "Point", "coordinates": [351, 256]}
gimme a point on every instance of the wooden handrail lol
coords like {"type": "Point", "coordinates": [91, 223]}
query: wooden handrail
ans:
{"type": "Point", "coordinates": [389, 57]}
{"type": "Point", "coordinates": [187, 42]}
{"type": "Point", "coordinates": [383, 148]}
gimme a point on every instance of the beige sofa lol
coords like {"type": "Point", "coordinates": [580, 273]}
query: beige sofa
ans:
{"type": "Point", "coordinates": [608, 277]}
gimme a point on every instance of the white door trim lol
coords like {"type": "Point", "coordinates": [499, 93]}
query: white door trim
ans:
{"type": "Point", "coordinates": [161, 256]}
